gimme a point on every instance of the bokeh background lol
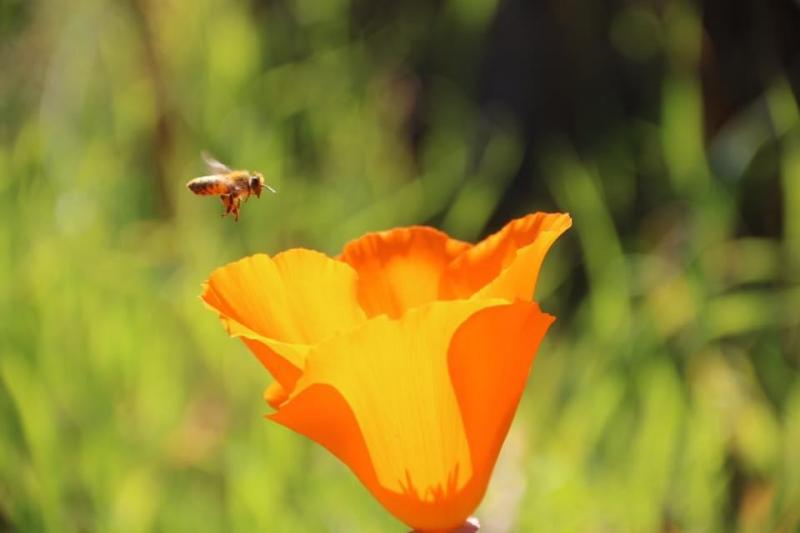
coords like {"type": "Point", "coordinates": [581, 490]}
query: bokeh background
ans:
{"type": "Point", "coordinates": [666, 397]}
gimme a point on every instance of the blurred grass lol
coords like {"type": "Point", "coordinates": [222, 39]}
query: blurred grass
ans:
{"type": "Point", "coordinates": [666, 398]}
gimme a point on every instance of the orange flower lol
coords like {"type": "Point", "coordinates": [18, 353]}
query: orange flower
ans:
{"type": "Point", "coordinates": [405, 357]}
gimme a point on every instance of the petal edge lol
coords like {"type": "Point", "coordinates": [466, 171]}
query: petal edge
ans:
{"type": "Point", "coordinates": [506, 264]}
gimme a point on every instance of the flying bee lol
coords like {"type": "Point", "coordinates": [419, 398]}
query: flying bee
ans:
{"type": "Point", "coordinates": [230, 185]}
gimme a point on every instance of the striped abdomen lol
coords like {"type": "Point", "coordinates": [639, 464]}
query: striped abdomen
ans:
{"type": "Point", "coordinates": [205, 185]}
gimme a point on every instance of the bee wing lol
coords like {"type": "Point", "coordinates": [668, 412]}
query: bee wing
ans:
{"type": "Point", "coordinates": [215, 166]}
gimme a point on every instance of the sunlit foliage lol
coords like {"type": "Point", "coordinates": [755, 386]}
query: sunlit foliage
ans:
{"type": "Point", "coordinates": [666, 397]}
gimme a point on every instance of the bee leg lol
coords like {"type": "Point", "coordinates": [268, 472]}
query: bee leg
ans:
{"type": "Point", "coordinates": [235, 209]}
{"type": "Point", "coordinates": [227, 202]}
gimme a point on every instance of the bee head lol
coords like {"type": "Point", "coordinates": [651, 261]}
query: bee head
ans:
{"type": "Point", "coordinates": [256, 183]}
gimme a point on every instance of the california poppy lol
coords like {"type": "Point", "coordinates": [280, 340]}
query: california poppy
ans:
{"type": "Point", "coordinates": [406, 356]}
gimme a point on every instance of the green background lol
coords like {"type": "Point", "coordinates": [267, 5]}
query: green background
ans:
{"type": "Point", "coordinates": [666, 397]}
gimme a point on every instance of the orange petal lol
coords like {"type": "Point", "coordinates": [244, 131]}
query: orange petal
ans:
{"type": "Point", "coordinates": [382, 400]}
{"type": "Point", "coordinates": [400, 269]}
{"type": "Point", "coordinates": [489, 388]}
{"type": "Point", "coordinates": [276, 394]}
{"type": "Point", "coordinates": [321, 413]}
{"type": "Point", "coordinates": [281, 306]}
{"type": "Point", "coordinates": [505, 264]}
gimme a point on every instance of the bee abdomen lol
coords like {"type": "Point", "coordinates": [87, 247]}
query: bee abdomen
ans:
{"type": "Point", "coordinates": [207, 185]}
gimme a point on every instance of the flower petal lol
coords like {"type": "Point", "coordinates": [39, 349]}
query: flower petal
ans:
{"type": "Point", "coordinates": [404, 436]}
{"type": "Point", "coordinates": [489, 388]}
{"type": "Point", "coordinates": [321, 413]}
{"type": "Point", "coordinates": [505, 264]}
{"type": "Point", "coordinates": [281, 306]}
{"type": "Point", "coordinates": [400, 269]}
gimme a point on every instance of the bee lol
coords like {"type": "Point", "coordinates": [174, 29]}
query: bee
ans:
{"type": "Point", "coordinates": [230, 185]}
